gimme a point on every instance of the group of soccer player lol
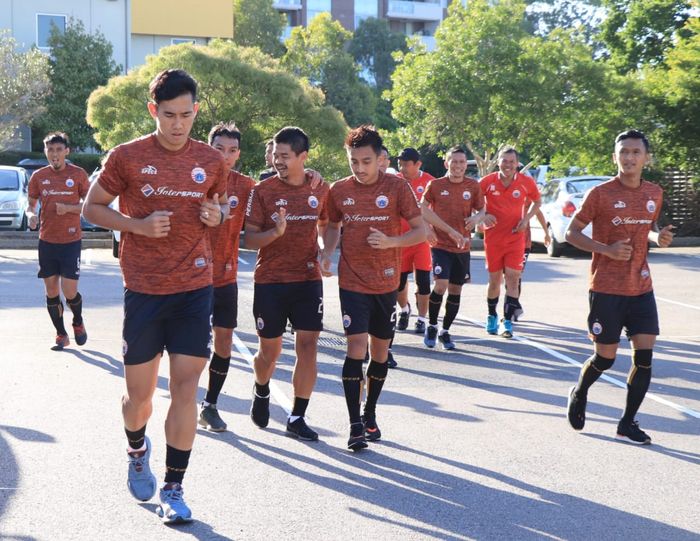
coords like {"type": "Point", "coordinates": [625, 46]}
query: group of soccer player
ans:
{"type": "Point", "coordinates": [182, 206]}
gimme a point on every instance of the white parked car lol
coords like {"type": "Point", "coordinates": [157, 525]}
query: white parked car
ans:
{"type": "Point", "coordinates": [14, 183]}
{"type": "Point", "coordinates": [561, 198]}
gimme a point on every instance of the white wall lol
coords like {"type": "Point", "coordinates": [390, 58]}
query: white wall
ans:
{"type": "Point", "coordinates": [142, 45]}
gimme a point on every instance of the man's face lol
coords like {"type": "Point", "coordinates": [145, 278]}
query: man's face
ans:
{"type": "Point", "coordinates": [630, 156]}
{"type": "Point", "coordinates": [508, 164]}
{"type": "Point", "coordinates": [229, 147]}
{"type": "Point", "coordinates": [174, 119]}
{"type": "Point", "coordinates": [286, 162]}
{"type": "Point", "coordinates": [409, 169]}
{"type": "Point", "coordinates": [456, 165]}
{"type": "Point", "coordinates": [383, 161]}
{"type": "Point", "coordinates": [364, 163]}
{"type": "Point", "coordinates": [269, 160]}
{"type": "Point", "coordinates": [56, 153]}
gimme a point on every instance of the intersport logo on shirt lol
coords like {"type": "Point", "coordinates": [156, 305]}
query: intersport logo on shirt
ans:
{"type": "Point", "coordinates": [629, 221]}
{"type": "Point", "coordinates": [164, 191]}
{"type": "Point", "coordinates": [361, 218]}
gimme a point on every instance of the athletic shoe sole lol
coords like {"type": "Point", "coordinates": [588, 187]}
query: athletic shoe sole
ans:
{"type": "Point", "coordinates": [210, 428]}
{"type": "Point", "coordinates": [357, 445]}
{"type": "Point", "coordinates": [172, 520]}
{"type": "Point", "coordinates": [569, 399]}
{"type": "Point", "coordinates": [291, 434]}
{"type": "Point", "coordinates": [624, 438]}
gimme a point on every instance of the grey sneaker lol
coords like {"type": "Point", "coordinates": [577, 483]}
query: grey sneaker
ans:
{"type": "Point", "coordinates": [210, 419]}
{"type": "Point", "coordinates": [172, 508]}
{"type": "Point", "coordinates": [140, 479]}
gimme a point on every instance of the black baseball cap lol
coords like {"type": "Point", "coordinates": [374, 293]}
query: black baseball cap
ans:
{"type": "Point", "coordinates": [409, 155]}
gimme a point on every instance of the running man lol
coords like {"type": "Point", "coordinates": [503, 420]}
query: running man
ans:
{"type": "Point", "coordinates": [623, 212]}
{"type": "Point", "coordinates": [454, 198]}
{"type": "Point", "coordinates": [369, 206]}
{"type": "Point", "coordinates": [507, 193]}
{"type": "Point", "coordinates": [225, 138]}
{"type": "Point", "coordinates": [284, 219]}
{"type": "Point", "coordinates": [171, 189]}
{"type": "Point", "coordinates": [414, 259]}
{"type": "Point", "coordinates": [60, 187]}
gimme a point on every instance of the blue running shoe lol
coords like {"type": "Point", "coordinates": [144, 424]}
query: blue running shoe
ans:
{"type": "Point", "coordinates": [172, 508]}
{"type": "Point", "coordinates": [430, 336]}
{"type": "Point", "coordinates": [492, 325]}
{"type": "Point", "coordinates": [507, 329]}
{"type": "Point", "coordinates": [141, 482]}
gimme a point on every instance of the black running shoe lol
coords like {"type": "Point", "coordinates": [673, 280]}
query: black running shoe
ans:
{"type": "Point", "coordinates": [402, 324]}
{"type": "Point", "coordinates": [260, 409]}
{"type": "Point", "coordinates": [372, 432]}
{"type": "Point", "coordinates": [576, 410]}
{"type": "Point", "coordinates": [210, 419]}
{"type": "Point", "coordinates": [357, 440]}
{"type": "Point", "coordinates": [419, 327]}
{"type": "Point", "coordinates": [390, 362]}
{"type": "Point", "coordinates": [632, 433]}
{"type": "Point", "coordinates": [80, 334]}
{"type": "Point", "coordinates": [299, 429]}
{"type": "Point", "coordinates": [446, 341]}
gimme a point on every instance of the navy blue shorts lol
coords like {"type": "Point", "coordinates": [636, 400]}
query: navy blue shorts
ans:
{"type": "Point", "coordinates": [178, 322]}
{"type": "Point", "coordinates": [371, 313]}
{"type": "Point", "coordinates": [299, 302]}
{"type": "Point", "coordinates": [59, 259]}
{"type": "Point", "coordinates": [225, 306]}
{"type": "Point", "coordinates": [609, 314]}
{"type": "Point", "coordinates": [451, 266]}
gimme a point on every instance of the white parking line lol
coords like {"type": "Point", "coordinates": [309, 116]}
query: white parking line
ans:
{"type": "Point", "coordinates": [275, 391]}
{"type": "Point", "coordinates": [610, 379]}
{"type": "Point", "coordinates": [678, 303]}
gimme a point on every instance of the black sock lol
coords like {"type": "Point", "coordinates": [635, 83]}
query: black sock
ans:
{"type": "Point", "coordinates": [136, 438]}
{"type": "Point", "coordinates": [55, 308]}
{"type": "Point", "coordinates": [451, 309]}
{"type": "Point", "coordinates": [509, 306]}
{"type": "Point", "coordinates": [434, 304]}
{"type": "Point", "coordinates": [175, 464]}
{"type": "Point", "coordinates": [594, 366]}
{"type": "Point", "coordinates": [218, 369]}
{"type": "Point", "coordinates": [76, 306]}
{"type": "Point", "coordinates": [492, 304]}
{"type": "Point", "coordinates": [376, 374]}
{"type": "Point", "coordinates": [637, 383]}
{"type": "Point", "coordinates": [352, 379]}
{"type": "Point", "coordinates": [263, 390]}
{"type": "Point", "coordinates": [300, 405]}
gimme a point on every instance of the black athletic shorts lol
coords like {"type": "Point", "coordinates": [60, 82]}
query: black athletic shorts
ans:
{"type": "Point", "coordinates": [299, 302]}
{"type": "Point", "coordinates": [609, 314]}
{"type": "Point", "coordinates": [178, 322]}
{"type": "Point", "coordinates": [366, 312]}
{"type": "Point", "coordinates": [451, 266]}
{"type": "Point", "coordinates": [59, 259]}
{"type": "Point", "coordinates": [224, 311]}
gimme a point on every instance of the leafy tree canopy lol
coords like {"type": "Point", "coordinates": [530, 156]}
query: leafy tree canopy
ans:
{"type": "Point", "coordinates": [257, 24]}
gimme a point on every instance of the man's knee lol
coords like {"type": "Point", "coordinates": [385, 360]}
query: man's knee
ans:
{"type": "Point", "coordinates": [601, 363]}
{"type": "Point", "coordinates": [642, 358]}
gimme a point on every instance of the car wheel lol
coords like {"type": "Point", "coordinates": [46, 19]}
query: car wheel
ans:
{"type": "Point", "coordinates": [23, 226]}
{"type": "Point", "coordinates": [555, 248]}
{"type": "Point", "coordinates": [115, 246]}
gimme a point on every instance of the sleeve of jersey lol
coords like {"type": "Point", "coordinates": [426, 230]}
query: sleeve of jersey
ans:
{"type": "Point", "coordinates": [334, 214]}
{"type": "Point", "coordinates": [84, 185]}
{"type": "Point", "coordinates": [533, 192]}
{"type": "Point", "coordinates": [408, 205]}
{"type": "Point", "coordinates": [111, 178]}
{"type": "Point", "coordinates": [478, 196]}
{"type": "Point", "coordinates": [428, 196]}
{"type": "Point", "coordinates": [219, 187]}
{"type": "Point", "coordinates": [34, 192]}
{"type": "Point", "coordinates": [587, 212]}
{"type": "Point", "coordinates": [254, 211]}
{"type": "Point", "coordinates": [323, 214]}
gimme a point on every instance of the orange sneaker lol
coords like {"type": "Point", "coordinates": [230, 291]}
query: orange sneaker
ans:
{"type": "Point", "coordinates": [80, 334]}
{"type": "Point", "coordinates": [61, 342]}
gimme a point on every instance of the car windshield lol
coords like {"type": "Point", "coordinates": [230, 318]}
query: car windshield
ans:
{"type": "Point", "coordinates": [583, 185]}
{"type": "Point", "coordinates": [9, 181]}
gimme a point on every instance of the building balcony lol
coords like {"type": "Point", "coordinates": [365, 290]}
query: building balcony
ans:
{"type": "Point", "coordinates": [287, 5]}
{"type": "Point", "coordinates": [414, 11]}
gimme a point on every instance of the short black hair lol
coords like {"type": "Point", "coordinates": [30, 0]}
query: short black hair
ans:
{"type": "Point", "coordinates": [509, 150]}
{"type": "Point", "coordinates": [365, 136]}
{"type": "Point", "coordinates": [171, 84]}
{"type": "Point", "coordinates": [384, 149]}
{"type": "Point", "coordinates": [269, 143]}
{"type": "Point", "coordinates": [294, 137]}
{"type": "Point", "coordinates": [57, 137]}
{"type": "Point", "coordinates": [456, 150]}
{"type": "Point", "coordinates": [225, 129]}
{"type": "Point", "coordinates": [633, 134]}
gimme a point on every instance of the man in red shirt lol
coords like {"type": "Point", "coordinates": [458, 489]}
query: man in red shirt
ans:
{"type": "Point", "coordinates": [171, 190]}
{"type": "Point", "coordinates": [624, 213]}
{"type": "Point", "coordinates": [60, 187]}
{"type": "Point", "coordinates": [225, 138]}
{"type": "Point", "coordinates": [508, 193]}
{"type": "Point", "coordinates": [369, 206]}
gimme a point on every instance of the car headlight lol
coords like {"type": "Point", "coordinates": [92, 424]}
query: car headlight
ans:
{"type": "Point", "coordinates": [10, 205]}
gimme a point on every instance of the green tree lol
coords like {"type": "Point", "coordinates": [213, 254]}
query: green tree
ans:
{"type": "Point", "coordinates": [372, 46]}
{"type": "Point", "coordinates": [235, 84]}
{"type": "Point", "coordinates": [639, 32]}
{"type": "Point", "coordinates": [24, 86]}
{"type": "Point", "coordinates": [319, 54]}
{"type": "Point", "coordinates": [80, 62]}
{"type": "Point", "coordinates": [257, 24]}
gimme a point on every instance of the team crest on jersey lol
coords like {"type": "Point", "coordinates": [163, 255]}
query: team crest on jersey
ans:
{"type": "Point", "coordinates": [147, 190]}
{"type": "Point", "coordinates": [516, 193]}
{"type": "Point", "coordinates": [437, 270]}
{"type": "Point", "coordinates": [382, 201]}
{"type": "Point", "coordinates": [651, 206]}
{"type": "Point", "coordinates": [260, 323]}
{"type": "Point", "coordinates": [645, 273]}
{"type": "Point", "coordinates": [596, 328]}
{"type": "Point", "coordinates": [200, 262]}
{"type": "Point", "coordinates": [199, 175]}
{"type": "Point", "coordinates": [467, 195]}
{"type": "Point", "coordinates": [70, 183]}
{"type": "Point", "coordinates": [347, 321]}
{"type": "Point", "coordinates": [420, 189]}
{"type": "Point", "coordinates": [313, 201]}
{"type": "Point", "coordinates": [233, 201]}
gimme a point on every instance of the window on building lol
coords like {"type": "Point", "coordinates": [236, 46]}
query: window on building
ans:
{"type": "Point", "coordinates": [177, 41]}
{"type": "Point", "coordinates": [44, 25]}
{"type": "Point", "coordinates": [365, 9]}
{"type": "Point", "coordinates": [316, 7]}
